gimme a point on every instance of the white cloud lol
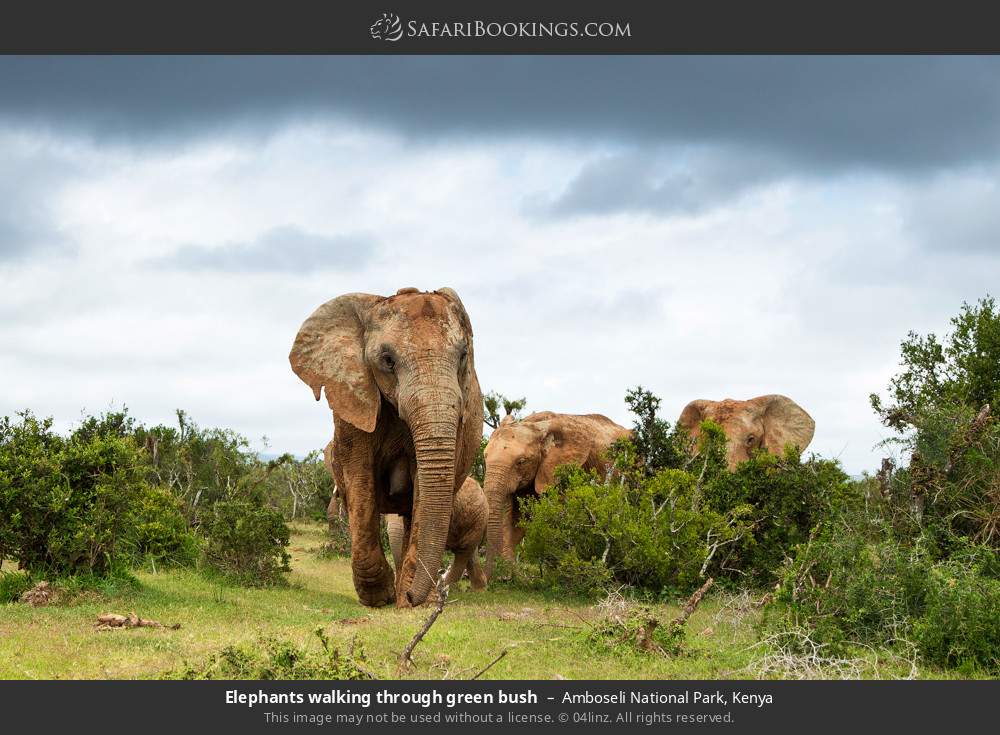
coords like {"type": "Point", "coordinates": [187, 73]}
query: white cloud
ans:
{"type": "Point", "coordinates": [767, 291]}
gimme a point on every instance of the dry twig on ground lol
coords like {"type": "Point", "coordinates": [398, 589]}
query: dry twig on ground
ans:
{"type": "Point", "coordinates": [110, 621]}
{"type": "Point", "coordinates": [405, 658]}
{"type": "Point", "coordinates": [489, 665]}
{"type": "Point", "coordinates": [693, 601]}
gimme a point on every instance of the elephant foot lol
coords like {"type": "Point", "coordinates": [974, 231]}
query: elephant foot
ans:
{"type": "Point", "coordinates": [378, 593]}
{"type": "Point", "coordinates": [477, 577]}
{"type": "Point", "coordinates": [478, 580]}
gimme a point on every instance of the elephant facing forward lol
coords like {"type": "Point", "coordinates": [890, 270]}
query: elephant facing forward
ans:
{"type": "Point", "coordinates": [399, 376]}
{"type": "Point", "coordinates": [766, 422]}
{"type": "Point", "coordinates": [521, 458]}
{"type": "Point", "coordinates": [468, 526]}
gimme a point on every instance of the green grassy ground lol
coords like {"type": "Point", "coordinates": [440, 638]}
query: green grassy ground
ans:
{"type": "Point", "coordinates": [544, 634]}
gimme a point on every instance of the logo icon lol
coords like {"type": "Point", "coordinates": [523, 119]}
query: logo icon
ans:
{"type": "Point", "coordinates": [387, 28]}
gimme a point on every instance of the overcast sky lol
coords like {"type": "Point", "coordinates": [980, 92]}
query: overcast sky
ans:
{"type": "Point", "coordinates": [706, 227]}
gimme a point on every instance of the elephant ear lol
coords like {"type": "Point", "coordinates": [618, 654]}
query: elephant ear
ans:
{"type": "Point", "coordinates": [560, 445]}
{"type": "Point", "coordinates": [693, 414]}
{"type": "Point", "coordinates": [785, 422]}
{"type": "Point", "coordinates": [329, 353]}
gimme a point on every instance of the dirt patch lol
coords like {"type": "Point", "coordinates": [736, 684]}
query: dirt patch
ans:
{"type": "Point", "coordinates": [525, 613]}
{"type": "Point", "coordinates": [354, 621]}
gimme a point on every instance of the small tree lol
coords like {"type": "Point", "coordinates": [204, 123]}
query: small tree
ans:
{"type": "Point", "coordinates": [493, 402]}
{"type": "Point", "coordinates": [963, 370]}
{"type": "Point", "coordinates": [657, 445]}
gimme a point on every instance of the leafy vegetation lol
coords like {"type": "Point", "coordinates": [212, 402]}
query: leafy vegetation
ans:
{"type": "Point", "coordinates": [69, 503]}
{"type": "Point", "coordinates": [672, 513]}
{"type": "Point", "coordinates": [273, 659]}
{"type": "Point", "coordinates": [961, 370]}
{"type": "Point", "coordinates": [918, 562]}
{"type": "Point", "coordinates": [653, 534]}
{"type": "Point", "coordinates": [246, 542]}
{"type": "Point", "coordinates": [115, 494]}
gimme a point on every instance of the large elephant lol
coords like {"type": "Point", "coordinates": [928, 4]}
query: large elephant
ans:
{"type": "Point", "coordinates": [766, 422]}
{"type": "Point", "coordinates": [408, 413]}
{"type": "Point", "coordinates": [468, 526]}
{"type": "Point", "coordinates": [522, 456]}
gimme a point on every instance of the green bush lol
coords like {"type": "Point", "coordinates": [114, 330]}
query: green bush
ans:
{"type": "Point", "coordinates": [159, 531]}
{"type": "Point", "coordinates": [951, 488]}
{"type": "Point", "coordinates": [787, 497]}
{"type": "Point", "coordinates": [657, 445]}
{"type": "Point", "coordinates": [625, 626]}
{"type": "Point", "coordinates": [67, 502]}
{"type": "Point", "coordinates": [272, 659]}
{"type": "Point", "coordinates": [245, 541]}
{"type": "Point", "coordinates": [584, 532]}
{"type": "Point", "coordinates": [960, 624]}
{"type": "Point", "coordinates": [852, 583]}
{"type": "Point", "coordinates": [857, 583]}
{"type": "Point", "coordinates": [963, 369]}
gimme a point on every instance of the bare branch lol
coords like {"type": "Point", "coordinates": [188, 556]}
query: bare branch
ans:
{"type": "Point", "coordinates": [405, 659]}
{"type": "Point", "coordinates": [489, 665]}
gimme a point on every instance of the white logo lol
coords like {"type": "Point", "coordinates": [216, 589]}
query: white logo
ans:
{"type": "Point", "coordinates": [387, 28]}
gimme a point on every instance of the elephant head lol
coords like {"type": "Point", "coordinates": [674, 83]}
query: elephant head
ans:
{"type": "Point", "coordinates": [522, 456]}
{"type": "Point", "coordinates": [767, 422]}
{"type": "Point", "coordinates": [414, 351]}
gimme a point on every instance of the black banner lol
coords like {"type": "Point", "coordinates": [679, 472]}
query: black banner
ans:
{"type": "Point", "coordinates": [510, 706]}
{"type": "Point", "coordinates": [515, 26]}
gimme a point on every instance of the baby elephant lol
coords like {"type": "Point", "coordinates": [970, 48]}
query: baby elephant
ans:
{"type": "Point", "coordinates": [766, 422]}
{"type": "Point", "coordinates": [468, 526]}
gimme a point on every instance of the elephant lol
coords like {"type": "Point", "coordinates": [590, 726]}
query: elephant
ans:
{"type": "Point", "coordinates": [521, 458]}
{"type": "Point", "coordinates": [400, 379]}
{"type": "Point", "coordinates": [468, 527]}
{"type": "Point", "coordinates": [766, 422]}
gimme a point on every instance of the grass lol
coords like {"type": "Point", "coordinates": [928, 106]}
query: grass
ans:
{"type": "Point", "coordinates": [544, 633]}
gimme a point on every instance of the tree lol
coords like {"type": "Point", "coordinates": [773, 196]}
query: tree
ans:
{"type": "Point", "coordinates": [493, 402]}
{"type": "Point", "coordinates": [655, 442]}
{"type": "Point", "coordinates": [963, 370]}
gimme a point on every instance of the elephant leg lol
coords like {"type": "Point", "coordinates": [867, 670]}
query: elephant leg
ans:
{"type": "Point", "coordinates": [516, 536]}
{"type": "Point", "coordinates": [373, 577]}
{"type": "Point", "coordinates": [477, 577]}
{"type": "Point", "coordinates": [457, 568]}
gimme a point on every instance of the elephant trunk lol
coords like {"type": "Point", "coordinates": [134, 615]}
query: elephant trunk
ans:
{"type": "Point", "coordinates": [500, 496]}
{"type": "Point", "coordinates": [434, 427]}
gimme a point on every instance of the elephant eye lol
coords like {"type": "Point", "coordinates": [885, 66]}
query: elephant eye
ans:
{"type": "Point", "coordinates": [751, 439]}
{"type": "Point", "coordinates": [386, 361]}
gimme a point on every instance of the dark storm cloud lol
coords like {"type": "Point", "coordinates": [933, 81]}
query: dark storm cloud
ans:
{"type": "Point", "coordinates": [956, 215]}
{"type": "Point", "coordinates": [826, 113]}
{"type": "Point", "coordinates": [637, 182]}
{"type": "Point", "coordinates": [285, 249]}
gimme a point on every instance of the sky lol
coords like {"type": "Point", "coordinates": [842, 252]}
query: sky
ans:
{"type": "Point", "coordinates": [707, 227]}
